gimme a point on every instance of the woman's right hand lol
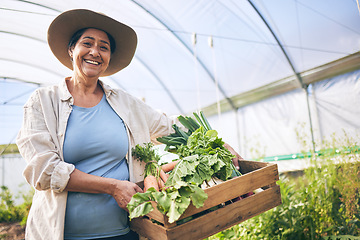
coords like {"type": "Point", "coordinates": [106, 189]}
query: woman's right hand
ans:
{"type": "Point", "coordinates": [123, 191]}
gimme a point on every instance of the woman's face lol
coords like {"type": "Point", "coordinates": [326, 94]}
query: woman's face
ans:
{"type": "Point", "coordinates": [91, 54]}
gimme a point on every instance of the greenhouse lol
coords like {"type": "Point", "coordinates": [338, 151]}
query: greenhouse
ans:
{"type": "Point", "coordinates": [278, 80]}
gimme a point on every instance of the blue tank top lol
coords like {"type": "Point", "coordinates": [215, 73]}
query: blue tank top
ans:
{"type": "Point", "coordinates": [96, 143]}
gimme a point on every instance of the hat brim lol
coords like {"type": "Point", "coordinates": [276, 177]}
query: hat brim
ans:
{"type": "Point", "coordinates": [66, 24]}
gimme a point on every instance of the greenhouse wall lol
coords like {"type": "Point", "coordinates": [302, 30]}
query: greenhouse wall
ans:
{"type": "Point", "coordinates": [12, 166]}
{"type": "Point", "coordinates": [281, 125]}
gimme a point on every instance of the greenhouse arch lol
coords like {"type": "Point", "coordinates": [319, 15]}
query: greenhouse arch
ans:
{"type": "Point", "coordinates": [257, 69]}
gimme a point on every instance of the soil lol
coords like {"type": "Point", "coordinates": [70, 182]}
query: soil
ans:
{"type": "Point", "coordinates": [12, 231]}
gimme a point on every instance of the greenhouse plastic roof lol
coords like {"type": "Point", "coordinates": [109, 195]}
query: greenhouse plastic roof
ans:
{"type": "Point", "coordinates": [190, 54]}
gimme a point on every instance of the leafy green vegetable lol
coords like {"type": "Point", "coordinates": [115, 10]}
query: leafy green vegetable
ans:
{"type": "Point", "coordinates": [140, 204]}
{"type": "Point", "coordinates": [180, 137]}
{"type": "Point", "coordinates": [171, 202]}
{"type": "Point", "coordinates": [147, 154]}
{"type": "Point", "coordinates": [202, 157]}
{"type": "Point", "coordinates": [205, 144]}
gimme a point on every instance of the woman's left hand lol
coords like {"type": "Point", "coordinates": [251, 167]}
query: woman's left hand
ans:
{"type": "Point", "coordinates": [237, 156]}
{"type": "Point", "coordinates": [123, 191]}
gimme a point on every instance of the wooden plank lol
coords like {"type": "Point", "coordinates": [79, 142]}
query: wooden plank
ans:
{"type": "Point", "coordinates": [227, 216]}
{"type": "Point", "coordinates": [247, 166]}
{"type": "Point", "coordinates": [148, 229]}
{"type": "Point", "coordinates": [156, 214]}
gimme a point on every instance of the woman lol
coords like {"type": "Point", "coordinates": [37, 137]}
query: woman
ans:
{"type": "Point", "coordinates": [77, 136]}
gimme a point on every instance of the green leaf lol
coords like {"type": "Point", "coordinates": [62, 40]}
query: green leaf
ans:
{"type": "Point", "coordinates": [140, 204]}
{"type": "Point", "coordinates": [173, 193]}
{"type": "Point", "coordinates": [139, 198]}
{"type": "Point", "coordinates": [205, 121]}
{"type": "Point", "coordinates": [141, 210]}
{"type": "Point", "coordinates": [163, 201]}
{"type": "Point", "coordinates": [195, 178]}
{"type": "Point", "coordinates": [185, 191]}
{"type": "Point", "coordinates": [198, 197]}
{"type": "Point", "coordinates": [204, 171]}
{"type": "Point", "coordinates": [212, 134]}
{"type": "Point", "coordinates": [182, 169]}
{"type": "Point", "coordinates": [177, 208]}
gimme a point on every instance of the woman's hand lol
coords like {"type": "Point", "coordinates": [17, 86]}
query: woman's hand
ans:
{"type": "Point", "coordinates": [237, 156]}
{"type": "Point", "coordinates": [123, 191]}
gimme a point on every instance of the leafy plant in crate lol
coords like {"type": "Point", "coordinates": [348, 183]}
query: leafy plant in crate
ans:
{"type": "Point", "coordinates": [203, 159]}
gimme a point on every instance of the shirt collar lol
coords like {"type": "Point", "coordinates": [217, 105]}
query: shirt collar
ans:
{"type": "Point", "coordinates": [107, 89]}
{"type": "Point", "coordinates": [66, 96]}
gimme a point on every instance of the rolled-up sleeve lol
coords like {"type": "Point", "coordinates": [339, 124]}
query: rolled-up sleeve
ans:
{"type": "Point", "coordinates": [39, 146]}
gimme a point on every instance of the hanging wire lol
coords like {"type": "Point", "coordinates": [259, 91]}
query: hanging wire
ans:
{"type": "Point", "coordinates": [211, 45]}
{"type": "Point", "coordinates": [299, 32]}
{"type": "Point", "coordinates": [216, 77]}
{"type": "Point", "coordinates": [8, 145]}
{"type": "Point", "coordinates": [16, 97]}
{"type": "Point", "coordinates": [329, 18]}
{"type": "Point", "coordinates": [194, 42]}
{"type": "Point", "coordinates": [23, 11]}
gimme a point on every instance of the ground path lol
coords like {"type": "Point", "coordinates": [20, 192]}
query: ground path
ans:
{"type": "Point", "coordinates": [12, 231]}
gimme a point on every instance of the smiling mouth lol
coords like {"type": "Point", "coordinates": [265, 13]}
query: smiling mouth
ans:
{"type": "Point", "coordinates": [92, 62]}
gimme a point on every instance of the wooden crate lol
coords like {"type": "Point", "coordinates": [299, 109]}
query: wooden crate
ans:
{"type": "Point", "coordinates": [255, 175]}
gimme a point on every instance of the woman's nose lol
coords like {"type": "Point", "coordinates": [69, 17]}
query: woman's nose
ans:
{"type": "Point", "coordinates": [94, 51]}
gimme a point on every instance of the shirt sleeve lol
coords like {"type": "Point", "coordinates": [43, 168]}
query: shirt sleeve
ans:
{"type": "Point", "coordinates": [159, 123]}
{"type": "Point", "coordinates": [36, 141]}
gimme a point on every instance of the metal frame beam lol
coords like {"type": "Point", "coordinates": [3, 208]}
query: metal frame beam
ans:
{"type": "Point", "coordinates": [189, 50]}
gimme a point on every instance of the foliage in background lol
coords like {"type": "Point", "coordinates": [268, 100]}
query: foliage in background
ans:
{"type": "Point", "coordinates": [9, 212]}
{"type": "Point", "coordinates": [8, 149]}
{"type": "Point", "coordinates": [323, 203]}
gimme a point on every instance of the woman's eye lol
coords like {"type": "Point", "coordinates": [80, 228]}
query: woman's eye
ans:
{"type": "Point", "coordinates": [87, 44]}
{"type": "Point", "coordinates": [104, 48]}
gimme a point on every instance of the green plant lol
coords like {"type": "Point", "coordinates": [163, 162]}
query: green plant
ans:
{"type": "Point", "coordinates": [322, 203]}
{"type": "Point", "coordinates": [8, 149]}
{"type": "Point", "coordinates": [9, 212]}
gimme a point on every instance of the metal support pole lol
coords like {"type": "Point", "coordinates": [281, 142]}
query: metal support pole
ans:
{"type": "Point", "coordinates": [2, 171]}
{"type": "Point", "coordinates": [310, 120]}
{"type": "Point", "coordinates": [237, 129]}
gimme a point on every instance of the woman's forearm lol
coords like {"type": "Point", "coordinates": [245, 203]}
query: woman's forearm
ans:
{"type": "Point", "coordinates": [83, 182]}
{"type": "Point", "coordinates": [121, 191]}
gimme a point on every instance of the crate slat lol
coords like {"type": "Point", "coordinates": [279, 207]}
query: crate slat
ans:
{"type": "Point", "coordinates": [247, 166]}
{"type": "Point", "coordinates": [227, 216]}
{"type": "Point", "coordinates": [144, 227]}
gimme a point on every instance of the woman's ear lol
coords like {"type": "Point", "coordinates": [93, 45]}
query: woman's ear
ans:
{"type": "Point", "coordinates": [71, 52]}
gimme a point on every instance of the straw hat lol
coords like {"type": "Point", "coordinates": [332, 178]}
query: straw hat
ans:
{"type": "Point", "coordinates": [67, 23]}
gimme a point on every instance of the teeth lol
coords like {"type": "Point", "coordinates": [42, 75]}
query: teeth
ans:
{"type": "Point", "coordinates": [92, 62]}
